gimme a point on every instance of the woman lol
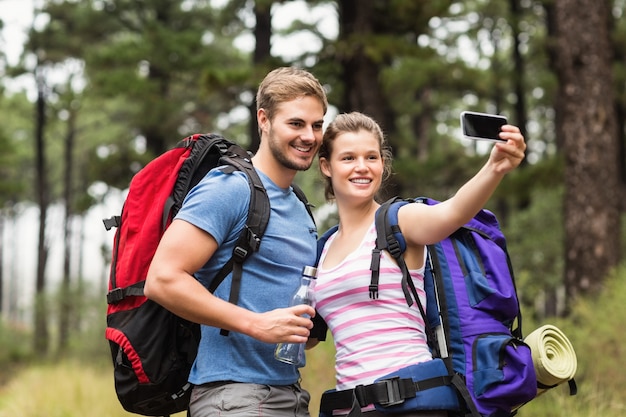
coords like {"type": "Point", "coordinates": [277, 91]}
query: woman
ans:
{"type": "Point", "coordinates": [376, 337]}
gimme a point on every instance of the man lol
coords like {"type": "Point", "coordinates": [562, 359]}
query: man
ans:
{"type": "Point", "coordinates": [237, 374]}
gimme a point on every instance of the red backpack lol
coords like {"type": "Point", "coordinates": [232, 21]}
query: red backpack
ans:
{"type": "Point", "coordinates": [153, 349]}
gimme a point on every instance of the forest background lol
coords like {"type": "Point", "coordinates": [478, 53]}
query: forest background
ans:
{"type": "Point", "coordinates": [102, 86]}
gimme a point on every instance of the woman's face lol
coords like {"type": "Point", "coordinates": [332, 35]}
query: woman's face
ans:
{"type": "Point", "coordinates": [355, 166]}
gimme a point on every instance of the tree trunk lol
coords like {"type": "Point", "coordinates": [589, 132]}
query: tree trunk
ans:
{"type": "Point", "coordinates": [588, 129]}
{"type": "Point", "coordinates": [2, 221]}
{"type": "Point", "coordinates": [519, 84]}
{"type": "Point", "coordinates": [361, 73]}
{"type": "Point", "coordinates": [13, 291]}
{"type": "Point", "coordinates": [65, 297]}
{"type": "Point", "coordinates": [41, 336]}
{"type": "Point", "coordinates": [261, 54]}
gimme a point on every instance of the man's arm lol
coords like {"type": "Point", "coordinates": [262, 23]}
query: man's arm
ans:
{"type": "Point", "coordinates": [183, 250]}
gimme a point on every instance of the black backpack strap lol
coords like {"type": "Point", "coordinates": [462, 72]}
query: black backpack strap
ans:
{"type": "Point", "coordinates": [117, 294]}
{"type": "Point", "coordinates": [387, 233]}
{"type": "Point", "coordinates": [389, 238]}
{"type": "Point", "coordinates": [386, 392]}
{"type": "Point", "coordinates": [320, 328]}
{"type": "Point", "coordinates": [302, 197]}
{"type": "Point", "coordinates": [236, 158]}
{"type": "Point", "coordinates": [258, 217]}
{"type": "Point", "coordinates": [204, 159]}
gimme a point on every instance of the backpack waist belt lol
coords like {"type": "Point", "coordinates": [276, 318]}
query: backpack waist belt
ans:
{"type": "Point", "coordinates": [386, 392]}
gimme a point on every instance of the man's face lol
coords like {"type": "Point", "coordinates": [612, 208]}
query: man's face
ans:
{"type": "Point", "coordinates": [295, 134]}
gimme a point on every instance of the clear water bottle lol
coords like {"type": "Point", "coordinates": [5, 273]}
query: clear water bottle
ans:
{"type": "Point", "coordinates": [293, 353]}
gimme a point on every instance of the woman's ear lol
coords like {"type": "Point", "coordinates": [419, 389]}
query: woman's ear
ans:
{"type": "Point", "coordinates": [325, 167]}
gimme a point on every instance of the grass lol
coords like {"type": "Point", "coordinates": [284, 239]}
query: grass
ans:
{"type": "Point", "coordinates": [319, 373]}
{"type": "Point", "coordinates": [64, 389]}
{"type": "Point", "coordinates": [71, 389]}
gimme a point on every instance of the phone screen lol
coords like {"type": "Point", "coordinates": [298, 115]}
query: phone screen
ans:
{"type": "Point", "coordinates": [482, 126]}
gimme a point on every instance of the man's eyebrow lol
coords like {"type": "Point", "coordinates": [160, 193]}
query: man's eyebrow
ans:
{"type": "Point", "coordinates": [301, 120]}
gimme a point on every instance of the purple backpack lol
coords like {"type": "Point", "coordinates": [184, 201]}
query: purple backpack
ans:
{"type": "Point", "coordinates": [481, 365]}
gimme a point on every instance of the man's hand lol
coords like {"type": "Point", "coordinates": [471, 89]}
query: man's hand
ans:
{"type": "Point", "coordinates": [284, 325]}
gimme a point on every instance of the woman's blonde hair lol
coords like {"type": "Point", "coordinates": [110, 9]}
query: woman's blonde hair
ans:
{"type": "Point", "coordinates": [353, 122]}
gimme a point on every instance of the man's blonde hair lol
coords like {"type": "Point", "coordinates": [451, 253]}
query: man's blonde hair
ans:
{"type": "Point", "coordinates": [286, 84]}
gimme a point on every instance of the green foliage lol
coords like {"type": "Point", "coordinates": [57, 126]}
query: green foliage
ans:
{"type": "Point", "coordinates": [594, 329]}
{"type": "Point", "coordinates": [87, 323]}
{"type": "Point", "coordinates": [535, 242]}
{"type": "Point", "coordinates": [14, 347]}
{"type": "Point", "coordinates": [529, 204]}
{"type": "Point", "coordinates": [16, 168]}
{"type": "Point", "coordinates": [149, 61]}
{"type": "Point", "coordinates": [595, 323]}
{"type": "Point", "coordinates": [10, 180]}
{"type": "Point", "coordinates": [447, 167]}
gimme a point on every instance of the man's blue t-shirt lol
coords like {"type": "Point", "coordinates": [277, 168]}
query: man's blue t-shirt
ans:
{"type": "Point", "coordinates": [219, 205]}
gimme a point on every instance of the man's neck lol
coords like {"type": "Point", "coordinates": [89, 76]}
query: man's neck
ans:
{"type": "Point", "coordinates": [279, 174]}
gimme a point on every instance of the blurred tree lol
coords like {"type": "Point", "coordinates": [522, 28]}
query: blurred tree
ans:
{"type": "Point", "coordinates": [424, 72]}
{"type": "Point", "coordinates": [377, 42]}
{"type": "Point", "coordinates": [9, 187]}
{"type": "Point", "coordinates": [157, 71]}
{"type": "Point", "coordinates": [15, 178]}
{"type": "Point", "coordinates": [260, 58]}
{"type": "Point", "coordinates": [41, 335]}
{"type": "Point", "coordinates": [67, 310]}
{"type": "Point", "coordinates": [587, 124]}
{"type": "Point", "coordinates": [156, 56]}
{"type": "Point", "coordinates": [619, 83]}
{"type": "Point", "coordinates": [146, 55]}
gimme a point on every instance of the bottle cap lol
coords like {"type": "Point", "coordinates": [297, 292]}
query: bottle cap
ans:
{"type": "Point", "coordinates": [309, 271]}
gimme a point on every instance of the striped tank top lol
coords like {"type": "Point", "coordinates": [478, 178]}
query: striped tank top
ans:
{"type": "Point", "coordinates": [372, 337]}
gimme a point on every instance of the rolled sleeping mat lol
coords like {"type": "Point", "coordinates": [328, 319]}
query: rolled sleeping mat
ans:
{"type": "Point", "coordinates": [554, 358]}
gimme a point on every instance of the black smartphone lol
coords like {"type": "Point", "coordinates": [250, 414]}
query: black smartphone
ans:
{"type": "Point", "coordinates": [482, 126]}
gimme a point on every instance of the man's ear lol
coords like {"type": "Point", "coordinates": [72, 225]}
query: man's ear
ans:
{"type": "Point", "coordinates": [262, 120]}
{"type": "Point", "coordinates": [325, 167]}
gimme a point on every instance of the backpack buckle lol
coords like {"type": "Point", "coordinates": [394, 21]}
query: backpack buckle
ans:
{"type": "Point", "coordinates": [394, 247]}
{"type": "Point", "coordinates": [394, 397]}
{"type": "Point", "coordinates": [239, 254]}
{"type": "Point", "coordinates": [182, 392]}
{"type": "Point", "coordinates": [112, 222]}
{"type": "Point", "coordinates": [115, 295]}
{"type": "Point", "coordinates": [252, 239]}
{"type": "Point", "coordinates": [373, 291]}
